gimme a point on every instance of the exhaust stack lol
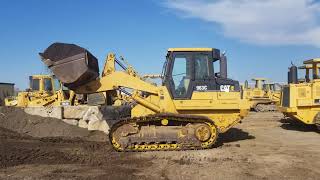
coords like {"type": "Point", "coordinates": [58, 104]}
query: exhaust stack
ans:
{"type": "Point", "coordinates": [293, 75]}
{"type": "Point", "coordinates": [223, 66]}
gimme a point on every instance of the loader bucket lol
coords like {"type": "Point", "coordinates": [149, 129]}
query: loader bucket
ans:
{"type": "Point", "coordinates": [71, 64]}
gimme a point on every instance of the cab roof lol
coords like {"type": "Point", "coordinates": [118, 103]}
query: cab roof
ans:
{"type": "Point", "coordinates": [312, 61]}
{"type": "Point", "coordinates": [307, 66]}
{"type": "Point", "coordinates": [259, 79]}
{"type": "Point", "coordinates": [41, 76]}
{"type": "Point", "coordinates": [190, 49]}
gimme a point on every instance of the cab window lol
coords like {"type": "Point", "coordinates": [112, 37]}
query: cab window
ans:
{"type": "Point", "coordinates": [35, 84]}
{"type": "Point", "coordinates": [180, 75]}
{"type": "Point", "coordinates": [201, 66]}
{"type": "Point", "coordinates": [57, 84]}
{"type": "Point", "coordinates": [48, 84]}
{"type": "Point", "coordinates": [277, 87]}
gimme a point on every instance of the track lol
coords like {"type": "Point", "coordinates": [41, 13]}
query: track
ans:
{"type": "Point", "coordinates": [317, 121]}
{"type": "Point", "coordinates": [163, 132]}
{"type": "Point", "coordinates": [265, 108]}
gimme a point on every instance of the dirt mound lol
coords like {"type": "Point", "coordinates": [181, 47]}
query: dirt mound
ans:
{"type": "Point", "coordinates": [62, 158]}
{"type": "Point", "coordinates": [17, 120]}
{"type": "Point", "coordinates": [47, 148]}
{"type": "Point", "coordinates": [8, 134]}
{"type": "Point", "coordinates": [17, 149]}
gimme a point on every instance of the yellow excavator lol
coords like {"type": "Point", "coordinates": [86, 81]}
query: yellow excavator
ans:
{"type": "Point", "coordinates": [264, 96]}
{"type": "Point", "coordinates": [44, 90]}
{"type": "Point", "coordinates": [189, 110]}
{"type": "Point", "coordinates": [300, 99]}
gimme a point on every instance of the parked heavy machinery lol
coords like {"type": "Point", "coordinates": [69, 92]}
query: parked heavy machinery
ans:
{"type": "Point", "coordinates": [188, 111]}
{"type": "Point", "coordinates": [274, 92]}
{"type": "Point", "coordinates": [44, 90]}
{"type": "Point", "coordinates": [306, 68]}
{"type": "Point", "coordinates": [300, 100]}
{"type": "Point", "coordinates": [264, 96]}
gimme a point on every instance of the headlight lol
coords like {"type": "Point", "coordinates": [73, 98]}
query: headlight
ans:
{"type": "Point", "coordinates": [65, 103]}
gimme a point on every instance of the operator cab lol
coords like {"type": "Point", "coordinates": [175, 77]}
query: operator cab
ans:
{"type": "Point", "coordinates": [47, 85]}
{"type": "Point", "coordinates": [192, 69]}
{"type": "Point", "coordinates": [315, 68]}
{"type": "Point", "coordinates": [310, 67]}
{"type": "Point", "coordinates": [272, 87]}
{"type": "Point", "coordinates": [259, 83]}
{"type": "Point", "coordinates": [41, 83]}
{"type": "Point", "coordinates": [307, 69]}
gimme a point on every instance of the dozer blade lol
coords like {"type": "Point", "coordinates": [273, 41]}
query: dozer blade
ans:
{"type": "Point", "coordinates": [71, 64]}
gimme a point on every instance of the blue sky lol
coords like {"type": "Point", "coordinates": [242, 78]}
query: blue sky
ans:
{"type": "Point", "coordinates": [142, 30]}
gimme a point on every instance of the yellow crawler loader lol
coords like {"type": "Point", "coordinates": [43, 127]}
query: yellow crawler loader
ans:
{"type": "Point", "coordinates": [300, 99]}
{"type": "Point", "coordinates": [44, 90]}
{"type": "Point", "coordinates": [264, 96]}
{"type": "Point", "coordinates": [189, 110]}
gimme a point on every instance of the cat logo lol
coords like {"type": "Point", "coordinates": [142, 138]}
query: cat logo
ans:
{"type": "Point", "coordinates": [226, 88]}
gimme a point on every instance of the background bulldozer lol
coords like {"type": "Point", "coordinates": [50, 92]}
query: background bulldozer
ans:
{"type": "Point", "coordinates": [264, 96]}
{"type": "Point", "coordinates": [44, 90]}
{"type": "Point", "coordinates": [188, 110]}
{"type": "Point", "coordinates": [274, 92]}
{"type": "Point", "coordinates": [300, 99]}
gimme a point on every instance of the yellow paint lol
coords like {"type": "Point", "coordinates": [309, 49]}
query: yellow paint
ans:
{"type": "Point", "coordinates": [164, 122]}
{"type": "Point", "coordinates": [304, 97]}
{"type": "Point", "coordinates": [262, 93]}
{"type": "Point", "coordinates": [225, 109]}
{"type": "Point", "coordinates": [41, 97]}
{"type": "Point", "coordinates": [312, 61]}
{"type": "Point", "coordinates": [189, 49]}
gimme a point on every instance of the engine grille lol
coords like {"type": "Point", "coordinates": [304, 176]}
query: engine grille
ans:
{"type": "Point", "coordinates": [286, 97]}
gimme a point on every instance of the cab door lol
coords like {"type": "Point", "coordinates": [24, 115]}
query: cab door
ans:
{"type": "Point", "coordinates": [48, 86]}
{"type": "Point", "coordinates": [189, 72]}
{"type": "Point", "coordinates": [204, 79]}
{"type": "Point", "coordinates": [180, 75]}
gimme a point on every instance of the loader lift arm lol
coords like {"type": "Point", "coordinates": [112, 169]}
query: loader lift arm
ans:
{"type": "Point", "coordinates": [114, 80]}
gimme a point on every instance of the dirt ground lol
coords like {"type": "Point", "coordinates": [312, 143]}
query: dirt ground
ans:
{"type": "Point", "coordinates": [264, 146]}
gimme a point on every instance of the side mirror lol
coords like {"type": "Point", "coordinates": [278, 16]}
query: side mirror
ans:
{"type": "Point", "coordinates": [217, 75]}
